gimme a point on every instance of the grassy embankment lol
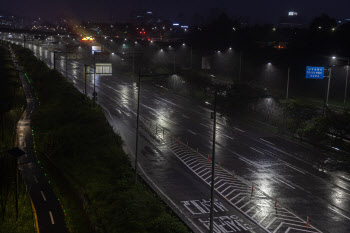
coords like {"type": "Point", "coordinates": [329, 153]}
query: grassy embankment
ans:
{"type": "Point", "coordinates": [85, 163]}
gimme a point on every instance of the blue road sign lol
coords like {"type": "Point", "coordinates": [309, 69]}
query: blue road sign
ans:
{"type": "Point", "coordinates": [314, 72]}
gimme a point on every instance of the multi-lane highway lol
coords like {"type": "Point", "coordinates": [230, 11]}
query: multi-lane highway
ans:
{"type": "Point", "coordinates": [264, 183]}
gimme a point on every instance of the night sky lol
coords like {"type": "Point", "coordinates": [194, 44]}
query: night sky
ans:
{"type": "Point", "coordinates": [257, 11]}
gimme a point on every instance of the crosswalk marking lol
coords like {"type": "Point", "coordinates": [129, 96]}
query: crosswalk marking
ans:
{"type": "Point", "coordinates": [257, 206]}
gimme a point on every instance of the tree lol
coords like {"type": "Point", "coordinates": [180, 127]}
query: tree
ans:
{"type": "Point", "coordinates": [323, 22]}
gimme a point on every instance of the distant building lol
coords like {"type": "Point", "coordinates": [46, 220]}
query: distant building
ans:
{"type": "Point", "coordinates": [292, 20]}
{"type": "Point", "coordinates": [145, 18]}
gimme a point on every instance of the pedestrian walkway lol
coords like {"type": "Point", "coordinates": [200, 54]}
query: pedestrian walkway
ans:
{"type": "Point", "coordinates": [47, 209]}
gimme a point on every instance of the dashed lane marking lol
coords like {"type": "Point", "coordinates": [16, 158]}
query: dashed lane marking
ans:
{"type": "Point", "coordinates": [205, 125]}
{"type": "Point", "coordinates": [192, 132]}
{"type": "Point", "coordinates": [239, 129]}
{"type": "Point", "coordinates": [266, 141]}
{"type": "Point", "coordinates": [228, 136]}
{"type": "Point", "coordinates": [36, 180]}
{"type": "Point", "coordinates": [42, 194]}
{"type": "Point", "coordinates": [51, 217]}
{"type": "Point", "coordinates": [294, 168]}
{"type": "Point", "coordinates": [332, 208]}
{"type": "Point", "coordinates": [256, 150]}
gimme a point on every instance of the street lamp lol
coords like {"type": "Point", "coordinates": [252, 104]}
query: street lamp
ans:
{"type": "Point", "coordinates": [347, 74]}
{"type": "Point", "coordinates": [171, 50]}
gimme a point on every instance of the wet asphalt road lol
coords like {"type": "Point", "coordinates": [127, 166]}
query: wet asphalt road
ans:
{"type": "Point", "coordinates": [303, 182]}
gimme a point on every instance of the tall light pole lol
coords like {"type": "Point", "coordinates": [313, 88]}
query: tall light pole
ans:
{"type": "Point", "coordinates": [325, 103]}
{"type": "Point", "coordinates": [94, 93]}
{"type": "Point", "coordinates": [138, 115]}
{"type": "Point", "coordinates": [240, 67]}
{"type": "Point", "coordinates": [85, 79]}
{"type": "Point", "coordinates": [211, 226]}
{"type": "Point", "coordinates": [346, 82]}
{"type": "Point", "coordinates": [347, 76]}
{"type": "Point", "coordinates": [287, 95]}
{"type": "Point", "coordinates": [137, 122]}
{"type": "Point", "coordinates": [329, 83]}
{"type": "Point", "coordinates": [174, 61]}
{"type": "Point", "coordinates": [191, 59]}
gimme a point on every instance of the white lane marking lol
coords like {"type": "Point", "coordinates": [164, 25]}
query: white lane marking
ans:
{"type": "Point", "coordinates": [36, 180]}
{"type": "Point", "coordinates": [185, 116]}
{"type": "Point", "coordinates": [205, 125]}
{"type": "Point", "coordinates": [284, 182]}
{"type": "Point", "coordinates": [239, 129]}
{"type": "Point", "coordinates": [192, 132]}
{"type": "Point", "coordinates": [266, 141]}
{"type": "Point", "coordinates": [294, 168]}
{"type": "Point", "coordinates": [256, 150]}
{"type": "Point", "coordinates": [332, 208]}
{"type": "Point", "coordinates": [42, 194]}
{"type": "Point", "coordinates": [345, 178]}
{"type": "Point", "coordinates": [51, 217]}
{"type": "Point", "coordinates": [228, 136]}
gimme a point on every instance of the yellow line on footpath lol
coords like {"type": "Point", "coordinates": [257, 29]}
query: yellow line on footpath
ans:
{"type": "Point", "coordinates": [35, 216]}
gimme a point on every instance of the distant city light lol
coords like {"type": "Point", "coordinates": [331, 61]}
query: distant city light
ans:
{"type": "Point", "coordinates": [176, 24]}
{"type": "Point", "coordinates": [292, 13]}
{"type": "Point", "coordinates": [88, 38]}
{"type": "Point", "coordinates": [184, 26]}
{"type": "Point", "coordinates": [334, 57]}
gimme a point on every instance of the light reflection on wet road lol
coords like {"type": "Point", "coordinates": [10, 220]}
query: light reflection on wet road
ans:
{"type": "Point", "coordinates": [281, 169]}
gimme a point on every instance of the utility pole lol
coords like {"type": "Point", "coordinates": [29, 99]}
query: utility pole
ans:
{"type": "Point", "coordinates": [325, 100]}
{"type": "Point", "coordinates": [133, 58]}
{"type": "Point", "coordinates": [287, 96]}
{"type": "Point", "coordinates": [191, 59]}
{"type": "Point", "coordinates": [54, 60]}
{"type": "Point", "coordinates": [213, 169]}
{"type": "Point", "coordinates": [66, 66]}
{"type": "Point", "coordinates": [85, 80]}
{"type": "Point", "coordinates": [174, 62]}
{"type": "Point", "coordinates": [94, 93]}
{"type": "Point", "coordinates": [240, 67]}
{"type": "Point", "coordinates": [346, 82]}
{"type": "Point", "coordinates": [329, 83]}
{"type": "Point", "coordinates": [137, 123]}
